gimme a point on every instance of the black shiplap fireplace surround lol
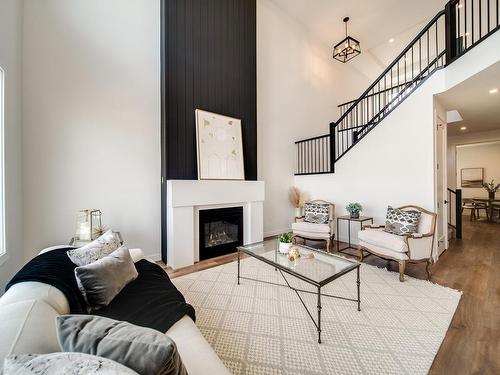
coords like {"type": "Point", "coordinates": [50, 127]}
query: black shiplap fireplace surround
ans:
{"type": "Point", "coordinates": [208, 61]}
{"type": "Point", "coordinates": [221, 231]}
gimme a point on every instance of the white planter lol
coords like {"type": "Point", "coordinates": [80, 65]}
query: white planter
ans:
{"type": "Point", "coordinates": [284, 248]}
{"type": "Point", "coordinates": [298, 211]}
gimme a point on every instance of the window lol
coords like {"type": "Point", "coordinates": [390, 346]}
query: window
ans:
{"type": "Point", "coordinates": [2, 169]}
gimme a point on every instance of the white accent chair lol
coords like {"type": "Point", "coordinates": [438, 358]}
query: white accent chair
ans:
{"type": "Point", "coordinates": [414, 248]}
{"type": "Point", "coordinates": [317, 232]}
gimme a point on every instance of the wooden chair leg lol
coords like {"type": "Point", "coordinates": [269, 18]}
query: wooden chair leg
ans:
{"type": "Point", "coordinates": [402, 266]}
{"type": "Point", "coordinates": [328, 244]}
{"type": "Point", "coordinates": [428, 269]}
{"type": "Point", "coordinates": [360, 253]}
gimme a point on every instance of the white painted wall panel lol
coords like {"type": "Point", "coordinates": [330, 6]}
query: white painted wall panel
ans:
{"type": "Point", "coordinates": [91, 119]}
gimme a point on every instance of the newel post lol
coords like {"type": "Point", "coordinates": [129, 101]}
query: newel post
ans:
{"type": "Point", "coordinates": [458, 214]}
{"type": "Point", "coordinates": [450, 31]}
{"type": "Point", "coordinates": [332, 147]}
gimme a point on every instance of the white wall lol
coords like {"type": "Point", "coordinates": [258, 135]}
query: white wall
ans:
{"type": "Point", "coordinates": [91, 132]}
{"type": "Point", "coordinates": [299, 86]}
{"type": "Point", "coordinates": [10, 61]}
{"type": "Point", "coordinates": [463, 139]}
{"type": "Point", "coordinates": [393, 165]}
{"type": "Point", "coordinates": [479, 155]}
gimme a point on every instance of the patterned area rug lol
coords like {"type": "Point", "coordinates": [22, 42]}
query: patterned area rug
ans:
{"type": "Point", "coordinates": [263, 329]}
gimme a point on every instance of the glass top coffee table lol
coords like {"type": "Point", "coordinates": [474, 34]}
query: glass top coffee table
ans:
{"type": "Point", "coordinates": [318, 271]}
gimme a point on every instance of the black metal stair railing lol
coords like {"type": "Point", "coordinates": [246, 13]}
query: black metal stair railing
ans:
{"type": "Point", "coordinates": [313, 155]}
{"type": "Point", "coordinates": [454, 204]}
{"type": "Point", "coordinates": [462, 25]}
{"type": "Point", "coordinates": [469, 23]}
{"type": "Point", "coordinates": [424, 55]}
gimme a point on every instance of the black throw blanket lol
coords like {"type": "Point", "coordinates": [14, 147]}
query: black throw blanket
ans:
{"type": "Point", "coordinates": [149, 301]}
{"type": "Point", "coordinates": [56, 269]}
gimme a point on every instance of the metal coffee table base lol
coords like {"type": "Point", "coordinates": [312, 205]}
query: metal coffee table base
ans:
{"type": "Point", "coordinates": [317, 322]}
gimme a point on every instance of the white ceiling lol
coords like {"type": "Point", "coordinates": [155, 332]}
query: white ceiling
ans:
{"type": "Point", "coordinates": [373, 23]}
{"type": "Point", "coordinates": [479, 109]}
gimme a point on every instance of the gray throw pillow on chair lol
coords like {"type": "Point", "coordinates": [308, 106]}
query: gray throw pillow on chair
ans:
{"type": "Point", "coordinates": [102, 280]}
{"type": "Point", "coordinates": [141, 349]}
{"type": "Point", "coordinates": [401, 222]}
{"type": "Point", "coordinates": [316, 213]}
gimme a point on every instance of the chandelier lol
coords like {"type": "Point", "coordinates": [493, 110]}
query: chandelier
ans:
{"type": "Point", "coordinates": [347, 48]}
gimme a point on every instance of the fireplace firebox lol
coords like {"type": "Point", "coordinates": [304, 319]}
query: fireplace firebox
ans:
{"type": "Point", "coordinates": [221, 231]}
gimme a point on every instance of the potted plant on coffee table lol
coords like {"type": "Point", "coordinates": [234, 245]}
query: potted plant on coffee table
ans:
{"type": "Point", "coordinates": [354, 209]}
{"type": "Point", "coordinates": [285, 240]}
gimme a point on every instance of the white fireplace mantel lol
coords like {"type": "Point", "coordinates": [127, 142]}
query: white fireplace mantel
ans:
{"type": "Point", "coordinates": [185, 198]}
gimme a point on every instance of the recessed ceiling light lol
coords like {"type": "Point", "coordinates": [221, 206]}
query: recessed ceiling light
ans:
{"type": "Point", "coordinates": [463, 128]}
{"type": "Point", "coordinates": [493, 91]}
{"type": "Point", "coordinates": [391, 40]}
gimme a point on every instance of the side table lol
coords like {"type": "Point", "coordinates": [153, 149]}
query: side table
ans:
{"type": "Point", "coordinates": [79, 243]}
{"type": "Point", "coordinates": [349, 219]}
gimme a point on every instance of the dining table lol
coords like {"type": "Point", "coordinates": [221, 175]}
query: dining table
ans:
{"type": "Point", "coordinates": [490, 202]}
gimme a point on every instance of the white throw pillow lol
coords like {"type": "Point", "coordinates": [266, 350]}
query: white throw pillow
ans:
{"type": "Point", "coordinates": [95, 250]}
{"type": "Point", "coordinates": [62, 364]}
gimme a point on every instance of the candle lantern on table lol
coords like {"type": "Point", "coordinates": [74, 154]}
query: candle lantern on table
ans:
{"type": "Point", "coordinates": [89, 225]}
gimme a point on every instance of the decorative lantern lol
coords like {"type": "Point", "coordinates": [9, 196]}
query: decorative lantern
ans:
{"type": "Point", "coordinates": [89, 225]}
{"type": "Point", "coordinates": [346, 49]}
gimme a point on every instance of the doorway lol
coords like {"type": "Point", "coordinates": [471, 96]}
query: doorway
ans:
{"type": "Point", "coordinates": [441, 186]}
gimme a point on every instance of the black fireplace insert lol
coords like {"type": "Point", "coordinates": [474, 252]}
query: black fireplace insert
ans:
{"type": "Point", "coordinates": [221, 231]}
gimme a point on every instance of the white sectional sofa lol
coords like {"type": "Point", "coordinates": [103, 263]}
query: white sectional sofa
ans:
{"type": "Point", "coordinates": [27, 325]}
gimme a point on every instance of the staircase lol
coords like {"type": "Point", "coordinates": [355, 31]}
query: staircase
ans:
{"type": "Point", "coordinates": [450, 34]}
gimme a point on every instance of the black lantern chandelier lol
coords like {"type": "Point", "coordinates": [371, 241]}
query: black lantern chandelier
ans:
{"type": "Point", "coordinates": [346, 49]}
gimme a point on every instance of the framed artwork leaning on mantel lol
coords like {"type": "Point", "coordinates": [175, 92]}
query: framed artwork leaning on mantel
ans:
{"type": "Point", "coordinates": [219, 147]}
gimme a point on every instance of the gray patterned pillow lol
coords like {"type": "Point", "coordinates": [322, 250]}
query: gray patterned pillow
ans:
{"type": "Point", "coordinates": [144, 350]}
{"type": "Point", "coordinates": [317, 213]}
{"type": "Point", "coordinates": [95, 250]}
{"type": "Point", "coordinates": [62, 364]}
{"type": "Point", "coordinates": [401, 222]}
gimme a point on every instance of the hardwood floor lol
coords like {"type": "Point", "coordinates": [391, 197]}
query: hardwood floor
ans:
{"type": "Point", "coordinates": [472, 343]}
{"type": "Point", "coordinates": [472, 265]}
{"type": "Point", "coordinates": [200, 266]}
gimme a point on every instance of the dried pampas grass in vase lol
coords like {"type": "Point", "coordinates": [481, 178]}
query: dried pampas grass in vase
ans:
{"type": "Point", "coordinates": [298, 199]}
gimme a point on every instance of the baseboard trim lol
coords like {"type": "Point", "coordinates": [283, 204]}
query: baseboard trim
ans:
{"type": "Point", "coordinates": [272, 233]}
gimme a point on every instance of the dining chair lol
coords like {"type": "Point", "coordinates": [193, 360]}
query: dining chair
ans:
{"type": "Point", "coordinates": [496, 210]}
{"type": "Point", "coordinates": [479, 205]}
{"type": "Point", "coordinates": [468, 204]}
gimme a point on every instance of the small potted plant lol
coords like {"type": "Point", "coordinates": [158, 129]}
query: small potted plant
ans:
{"type": "Point", "coordinates": [491, 188]}
{"type": "Point", "coordinates": [354, 209]}
{"type": "Point", "coordinates": [285, 240]}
